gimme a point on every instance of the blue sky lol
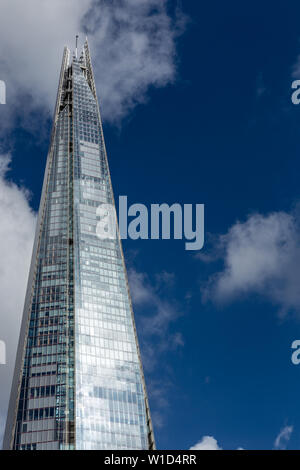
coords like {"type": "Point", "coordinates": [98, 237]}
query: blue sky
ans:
{"type": "Point", "coordinates": [219, 129]}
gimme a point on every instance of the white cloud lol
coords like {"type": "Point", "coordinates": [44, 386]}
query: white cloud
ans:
{"type": "Point", "coordinates": [283, 438]}
{"type": "Point", "coordinates": [16, 240]}
{"type": "Point", "coordinates": [261, 256]}
{"type": "Point", "coordinates": [133, 45]}
{"type": "Point", "coordinates": [206, 443]}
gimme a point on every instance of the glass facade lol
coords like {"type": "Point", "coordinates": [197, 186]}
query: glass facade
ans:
{"type": "Point", "coordinates": [78, 380]}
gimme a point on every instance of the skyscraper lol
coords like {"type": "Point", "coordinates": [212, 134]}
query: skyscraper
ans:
{"type": "Point", "coordinates": [78, 380]}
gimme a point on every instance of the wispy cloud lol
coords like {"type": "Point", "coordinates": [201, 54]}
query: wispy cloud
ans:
{"type": "Point", "coordinates": [283, 438]}
{"type": "Point", "coordinates": [156, 324]}
{"type": "Point", "coordinates": [159, 391]}
{"type": "Point", "coordinates": [156, 317]}
{"type": "Point", "coordinates": [261, 256]}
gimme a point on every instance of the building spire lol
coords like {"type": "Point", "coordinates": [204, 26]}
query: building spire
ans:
{"type": "Point", "coordinates": [76, 50]}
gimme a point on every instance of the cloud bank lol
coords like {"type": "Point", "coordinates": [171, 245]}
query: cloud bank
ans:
{"type": "Point", "coordinates": [16, 240]}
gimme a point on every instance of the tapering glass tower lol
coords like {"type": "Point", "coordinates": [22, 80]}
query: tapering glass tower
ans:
{"type": "Point", "coordinates": [78, 381]}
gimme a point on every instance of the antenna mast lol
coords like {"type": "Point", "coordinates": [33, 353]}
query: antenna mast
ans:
{"type": "Point", "coordinates": [76, 50]}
